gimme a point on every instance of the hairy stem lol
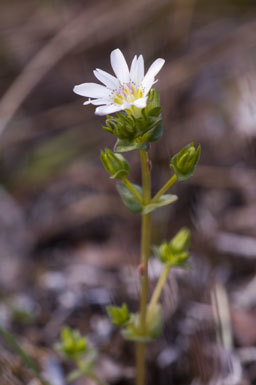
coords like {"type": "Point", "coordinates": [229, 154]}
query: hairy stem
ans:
{"type": "Point", "coordinates": [165, 187]}
{"type": "Point", "coordinates": [145, 253]}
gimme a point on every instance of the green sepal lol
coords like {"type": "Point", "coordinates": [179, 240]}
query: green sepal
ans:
{"type": "Point", "coordinates": [154, 326]}
{"type": "Point", "coordinates": [135, 127]}
{"type": "Point", "coordinates": [130, 200]}
{"type": "Point", "coordinates": [174, 253]}
{"type": "Point", "coordinates": [72, 344]}
{"type": "Point", "coordinates": [115, 164]}
{"type": "Point", "coordinates": [180, 242]}
{"type": "Point", "coordinates": [140, 142]}
{"type": "Point", "coordinates": [119, 316]}
{"type": "Point", "coordinates": [164, 200]}
{"type": "Point", "coordinates": [185, 161]}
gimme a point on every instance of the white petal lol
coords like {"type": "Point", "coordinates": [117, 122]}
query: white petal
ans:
{"type": "Point", "coordinates": [148, 86]}
{"type": "Point", "coordinates": [140, 70]}
{"type": "Point", "coordinates": [107, 79]}
{"type": "Point", "coordinates": [119, 66]}
{"type": "Point", "coordinates": [92, 90]}
{"type": "Point", "coordinates": [133, 70]}
{"type": "Point", "coordinates": [152, 72]}
{"type": "Point", "coordinates": [98, 102]}
{"type": "Point", "coordinates": [140, 103]}
{"type": "Point", "coordinates": [110, 109]}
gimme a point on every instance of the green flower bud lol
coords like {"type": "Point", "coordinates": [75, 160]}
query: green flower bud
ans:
{"type": "Point", "coordinates": [184, 163]}
{"type": "Point", "coordinates": [119, 315]}
{"type": "Point", "coordinates": [72, 343]}
{"type": "Point", "coordinates": [115, 164]}
{"type": "Point", "coordinates": [181, 240]}
{"type": "Point", "coordinates": [175, 253]}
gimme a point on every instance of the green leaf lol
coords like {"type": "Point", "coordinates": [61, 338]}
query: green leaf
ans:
{"type": "Point", "coordinates": [164, 200]}
{"type": "Point", "coordinates": [133, 335]}
{"type": "Point", "coordinates": [130, 200]}
{"type": "Point", "coordinates": [123, 145]}
{"type": "Point", "coordinates": [28, 361]}
{"type": "Point", "coordinates": [154, 326]}
{"type": "Point", "coordinates": [119, 316]}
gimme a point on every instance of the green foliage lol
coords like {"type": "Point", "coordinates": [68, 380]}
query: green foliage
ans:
{"type": "Point", "coordinates": [175, 253]}
{"type": "Point", "coordinates": [164, 200]}
{"type": "Point", "coordinates": [135, 206]}
{"type": "Point", "coordinates": [115, 164]}
{"type": "Point", "coordinates": [129, 199]}
{"type": "Point", "coordinates": [72, 344]}
{"type": "Point", "coordinates": [185, 161]}
{"type": "Point", "coordinates": [154, 326]}
{"type": "Point", "coordinates": [119, 316]}
{"type": "Point", "coordinates": [74, 347]}
{"type": "Point", "coordinates": [135, 131]}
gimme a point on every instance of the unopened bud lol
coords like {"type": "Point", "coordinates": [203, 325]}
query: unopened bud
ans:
{"type": "Point", "coordinates": [175, 253]}
{"type": "Point", "coordinates": [185, 161]}
{"type": "Point", "coordinates": [115, 164]}
{"type": "Point", "coordinates": [181, 240]}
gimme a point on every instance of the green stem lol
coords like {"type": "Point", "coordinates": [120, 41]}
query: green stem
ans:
{"type": "Point", "coordinates": [165, 187]}
{"type": "Point", "coordinates": [159, 287]}
{"type": "Point", "coordinates": [145, 253]}
{"type": "Point", "coordinates": [130, 187]}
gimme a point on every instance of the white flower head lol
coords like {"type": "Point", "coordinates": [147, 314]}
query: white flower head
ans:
{"type": "Point", "coordinates": [127, 89]}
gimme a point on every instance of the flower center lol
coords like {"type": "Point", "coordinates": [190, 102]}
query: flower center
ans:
{"type": "Point", "coordinates": [127, 93]}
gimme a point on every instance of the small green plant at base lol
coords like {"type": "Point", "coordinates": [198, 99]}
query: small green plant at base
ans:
{"type": "Point", "coordinates": [133, 111]}
{"type": "Point", "coordinates": [74, 347]}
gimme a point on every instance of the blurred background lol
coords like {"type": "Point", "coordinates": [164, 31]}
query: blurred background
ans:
{"type": "Point", "coordinates": [67, 245]}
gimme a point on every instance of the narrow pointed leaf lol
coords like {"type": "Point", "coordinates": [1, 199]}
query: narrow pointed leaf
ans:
{"type": "Point", "coordinates": [164, 200]}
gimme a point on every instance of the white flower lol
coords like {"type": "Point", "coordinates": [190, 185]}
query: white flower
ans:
{"type": "Point", "coordinates": [127, 89]}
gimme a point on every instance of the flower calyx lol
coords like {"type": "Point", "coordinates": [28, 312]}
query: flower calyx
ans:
{"type": "Point", "coordinates": [72, 345]}
{"type": "Point", "coordinates": [119, 316]}
{"type": "Point", "coordinates": [115, 164]}
{"type": "Point", "coordinates": [135, 128]}
{"type": "Point", "coordinates": [175, 253]}
{"type": "Point", "coordinates": [185, 161]}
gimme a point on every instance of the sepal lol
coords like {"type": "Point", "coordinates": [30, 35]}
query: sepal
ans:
{"type": "Point", "coordinates": [119, 316]}
{"type": "Point", "coordinates": [175, 253]}
{"type": "Point", "coordinates": [135, 128]}
{"type": "Point", "coordinates": [72, 344]}
{"type": "Point", "coordinates": [185, 161]}
{"type": "Point", "coordinates": [115, 164]}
